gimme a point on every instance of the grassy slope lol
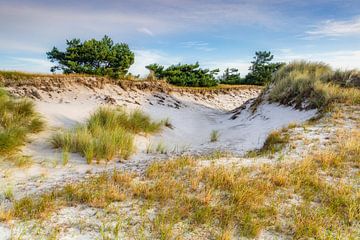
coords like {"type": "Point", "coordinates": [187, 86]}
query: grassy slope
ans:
{"type": "Point", "coordinates": [309, 85]}
{"type": "Point", "coordinates": [14, 78]}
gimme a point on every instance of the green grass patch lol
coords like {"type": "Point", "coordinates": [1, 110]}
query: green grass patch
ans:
{"type": "Point", "coordinates": [108, 133]}
{"type": "Point", "coordinates": [275, 142]}
{"type": "Point", "coordinates": [18, 119]}
{"type": "Point", "coordinates": [214, 136]}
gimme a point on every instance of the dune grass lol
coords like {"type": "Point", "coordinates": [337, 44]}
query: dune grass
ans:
{"type": "Point", "coordinates": [308, 85]}
{"type": "Point", "coordinates": [239, 201]}
{"type": "Point", "coordinates": [275, 142]}
{"type": "Point", "coordinates": [347, 78]}
{"type": "Point", "coordinates": [19, 75]}
{"type": "Point", "coordinates": [214, 136]}
{"type": "Point", "coordinates": [18, 119]}
{"type": "Point", "coordinates": [108, 133]}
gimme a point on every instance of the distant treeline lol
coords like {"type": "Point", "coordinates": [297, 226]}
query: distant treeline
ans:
{"type": "Point", "coordinates": [104, 58]}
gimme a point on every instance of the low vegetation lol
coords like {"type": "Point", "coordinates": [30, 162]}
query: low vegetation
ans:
{"type": "Point", "coordinates": [214, 136]}
{"type": "Point", "coordinates": [108, 133]}
{"type": "Point", "coordinates": [316, 197]}
{"type": "Point", "coordinates": [348, 78]}
{"type": "Point", "coordinates": [308, 85]}
{"type": "Point", "coordinates": [18, 119]}
{"type": "Point", "coordinates": [243, 200]}
{"type": "Point", "coordinates": [274, 143]}
{"type": "Point", "coordinates": [189, 75]}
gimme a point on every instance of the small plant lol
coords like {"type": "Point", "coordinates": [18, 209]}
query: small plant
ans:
{"type": "Point", "coordinates": [31, 207]}
{"type": "Point", "coordinates": [167, 123]}
{"type": "Point", "coordinates": [214, 136]}
{"type": "Point", "coordinates": [22, 161]}
{"type": "Point", "coordinates": [216, 155]}
{"type": "Point", "coordinates": [89, 153]}
{"type": "Point", "coordinates": [5, 215]}
{"type": "Point", "coordinates": [275, 142]}
{"type": "Point", "coordinates": [161, 148]}
{"type": "Point", "coordinates": [9, 193]}
{"type": "Point", "coordinates": [149, 148]}
{"type": "Point", "coordinates": [65, 156]}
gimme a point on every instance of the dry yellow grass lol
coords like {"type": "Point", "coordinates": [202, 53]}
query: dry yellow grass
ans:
{"type": "Point", "coordinates": [235, 201]}
{"type": "Point", "coordinates": [309, 85]}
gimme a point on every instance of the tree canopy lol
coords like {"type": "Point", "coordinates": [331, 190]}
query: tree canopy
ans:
{"type": "Point", "coordinates": [231, 76]}
{"type": "Point", "coordinates": [190, 75]}
{"type": "Point", "coordinates": [262, 68]}
{"type": "Point", "coordinates": [96, 57]}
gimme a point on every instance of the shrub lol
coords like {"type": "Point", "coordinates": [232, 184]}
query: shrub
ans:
{"type": "Point", "coordinates": [107, 134]}
{"type": "Point", "coordinates": [18, 118]}
{"type": "Point", "coordinates": [190, 75]}
{"type": "Point", "coordinates": [93, 57]}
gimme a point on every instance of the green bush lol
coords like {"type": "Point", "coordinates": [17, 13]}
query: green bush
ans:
{"type": "Point", "coordinates": [18, 118]}
{"type": "Point", "coordinates": [189, 75]}
{"type": "Point", "coordinates": [93, 57]}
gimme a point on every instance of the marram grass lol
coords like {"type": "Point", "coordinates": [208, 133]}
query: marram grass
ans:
{"type": "Point", "coordinates": [310, 85]}
{"type": "Point", "coordinates": [18, 119]}
{"type": "Point", "coordinates": [107, 134]}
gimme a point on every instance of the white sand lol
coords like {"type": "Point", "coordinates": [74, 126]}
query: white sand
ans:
{"type": "Point", "coordinates": [193, 118]}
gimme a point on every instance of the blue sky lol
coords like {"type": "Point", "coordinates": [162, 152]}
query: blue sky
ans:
{"type": "Point", "coordinates": [217, 33]}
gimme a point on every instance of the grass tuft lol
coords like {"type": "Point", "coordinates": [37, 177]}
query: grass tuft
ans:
{"type": "Point", "coordinates": [214, 136]}
{"type": "Point", "coordinates": [307, 85]}
{"type": "Point", "coordinates": [274, 143]}
{"type": "Point", "coordinates": [107, 134]}
{"type": "Point", "coordinates": [18, 119]}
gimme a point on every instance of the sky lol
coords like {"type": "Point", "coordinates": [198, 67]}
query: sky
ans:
{"type": "Point", "coordinates": [216, 33]}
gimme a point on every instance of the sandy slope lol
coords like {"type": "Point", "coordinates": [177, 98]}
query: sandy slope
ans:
{"type": "Point", "coordinates": [193, 117]}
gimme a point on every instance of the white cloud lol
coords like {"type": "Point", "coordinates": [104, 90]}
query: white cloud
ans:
{"type": "Point", "coordinates": [336, 59]}
{"type": "Point", "coordinates": [26, 64]}
{"type": "Point", "coordinates": [146, 57]}
{"type": "Point", "coordinates": [146, 31]}
{"type": "Point", "coordinates": [332, 28]}
{"type": "Point", "coordinates": [15, 45]}
{"type": "Point", "coordinates": [198, 45]}
{"type": "Point", "coordinates": [26, 21]}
